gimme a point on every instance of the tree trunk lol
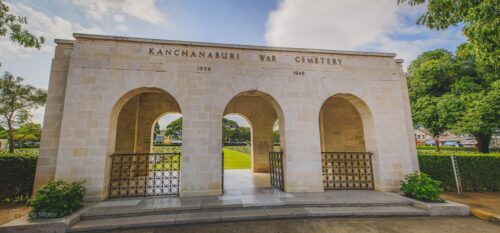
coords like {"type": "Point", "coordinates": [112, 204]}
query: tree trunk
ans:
{"type": "Point", "coordinates": [11, 140]}
{"type": "Point", "coordinates": [483, 142]}
{"type": "Point", "coordinates": [436, 139]}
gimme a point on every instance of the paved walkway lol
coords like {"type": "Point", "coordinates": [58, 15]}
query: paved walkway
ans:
{"type": "Point", "coordinates": [487, 201]}
{"type": "Point", "coordinates": [333, 225]}
{"type": "Point", "coordinates": [244, 181]}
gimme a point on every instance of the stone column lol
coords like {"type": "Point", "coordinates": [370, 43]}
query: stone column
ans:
{"type": "Point", "coordinates": [262, 142]}
{"type": "Point", "coordinates": [47, 159]}
{"type": "Point", "coordinates": [201, 172]}
{"type": "Point", "coordinates": [302, 157]}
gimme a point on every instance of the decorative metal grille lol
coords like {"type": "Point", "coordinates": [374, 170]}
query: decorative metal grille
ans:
{"type": "Point", "coordinates": [347, 170]}
{"type": "Point", "coordinates": [276, 170]}
{"type": "Point", "coordinates": [153, 174]}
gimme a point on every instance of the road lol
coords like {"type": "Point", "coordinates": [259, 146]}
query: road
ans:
{"type": "Point", "coordinates": [340, 225]}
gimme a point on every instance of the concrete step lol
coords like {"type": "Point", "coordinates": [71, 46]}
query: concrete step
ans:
{"type": "Point", "coordinates": [127, 211]}
{"type": "Point", "coordinates": [241, 214]}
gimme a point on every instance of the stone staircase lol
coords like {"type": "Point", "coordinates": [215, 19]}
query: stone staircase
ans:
{"type": "Point", "coordinates": [98, 219]}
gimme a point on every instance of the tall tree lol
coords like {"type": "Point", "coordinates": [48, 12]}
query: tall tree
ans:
{"type": "Point", "coordinates": [230, 130]}
{"type": "Point", "coordinates": [475, 102]}
{"type": "Point", "coordinates": [174, 129]}
{"type": "Point", "coordinates": [12, 25]}
{"type": "Point", "coordinates": [455, 92]}
{"type": "Point", "coordinates": [430, 77]}
{"type": "Point", "coordinates": [157, 130]}
{"type": "Point", "coordinates": [480, 19]}
{"type": "Point", "coordinates": [16, 99]}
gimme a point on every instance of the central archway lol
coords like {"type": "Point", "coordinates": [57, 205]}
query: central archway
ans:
{"type": "Point", "coordinates": [137, 170]}
{"type": "Point", "coordinates": [262, 112]}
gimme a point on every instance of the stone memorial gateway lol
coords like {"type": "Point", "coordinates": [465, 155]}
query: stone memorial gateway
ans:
{"type": "Point", "coordinates": [344, 117]}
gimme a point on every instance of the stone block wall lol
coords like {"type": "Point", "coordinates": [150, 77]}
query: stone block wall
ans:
{"type": "Point", "coordinates": [102, 70]}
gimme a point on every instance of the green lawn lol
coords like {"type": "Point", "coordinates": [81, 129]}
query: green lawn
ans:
{"type": "Point", "coordinates": [234, 157]}
{"type": "Point", "coordinates": [236, 160]}
{"type": "Point", "coordinates": [20, 151]}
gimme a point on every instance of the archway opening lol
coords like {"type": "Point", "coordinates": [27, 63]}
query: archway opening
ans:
{"type": "Point", "coordinates": [138, 168]}
{"type": "Point", "coordinates": [167, 134]}
{"type": "Point", "coordinates": [250, 133]}
{"type": "Point", "coordinates": [347, 144]}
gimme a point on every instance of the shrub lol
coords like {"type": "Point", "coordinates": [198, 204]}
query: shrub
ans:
{"type": "Point", "coordinates": [57, 199]}
{"type": "Point", "coordinates": [17, 174]}
{"type": "Point", "coordinates": [421, 187]}
{"type": "Point", "coordinates": [478, 173]}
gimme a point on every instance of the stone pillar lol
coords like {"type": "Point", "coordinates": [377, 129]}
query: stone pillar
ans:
{"type": "Point", "coordinates": [201, 172]}
{"type": "Point", "coordinates": [127, 126]}
{"type": "Point", "coordinates": [302, 155]}
{"type": "Point", "coordinates": [262, 142]}
{"type": "Point", "coordinates": [47, 159]}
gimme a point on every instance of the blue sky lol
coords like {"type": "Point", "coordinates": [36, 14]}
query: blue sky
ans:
{"type": "Point", "coordinates": [363, 25]}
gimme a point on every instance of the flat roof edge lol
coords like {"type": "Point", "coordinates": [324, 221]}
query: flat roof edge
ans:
{"type": "Point", "coordinates": [222, 45]}
{"type": "Point", "coordinates": [63, 41]}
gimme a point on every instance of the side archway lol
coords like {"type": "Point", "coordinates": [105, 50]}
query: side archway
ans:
{"type": "Point", "coordinates": [348, 143]}
{"type": "Point", "coordinates": [130, 144]}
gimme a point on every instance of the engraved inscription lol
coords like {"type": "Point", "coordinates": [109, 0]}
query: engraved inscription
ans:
{"type": "Point", "coordinates": [299, 73]}
{"type": "Point", "coordinates": [203, 69]}
{"type": "Point", "coordinates": [267, 58]}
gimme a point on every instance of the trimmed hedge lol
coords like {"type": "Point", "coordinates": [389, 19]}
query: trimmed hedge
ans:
{"type": "Point", "coordinates": [478, 173]}
{"type": "Point", "coordinates": [17, 174]}
{"type": "Point", "coordinates": [454, 148]}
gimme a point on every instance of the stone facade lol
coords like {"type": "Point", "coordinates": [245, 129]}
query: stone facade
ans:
{"type": "Point", "coordinates": [98, 105]}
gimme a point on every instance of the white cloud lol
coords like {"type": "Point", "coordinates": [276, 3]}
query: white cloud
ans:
{"type": "Point", "coordinates": [37, 115]}
{"type": "Point", "coordinates": [121, 28]}
{"type": "Point", "coordinates": [145, 10]}
{"type": "Point", "coordinates": [380, 25]}
{"type": "Point", "coordinates": [51, 27]}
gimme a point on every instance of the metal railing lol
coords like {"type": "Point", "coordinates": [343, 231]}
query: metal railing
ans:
{"type": "Point", "coordinates": [151, 174]}
{"type": "Point", "coordinates": [276, 170]}
{"type": "Point", "coordinates": [347, 170]}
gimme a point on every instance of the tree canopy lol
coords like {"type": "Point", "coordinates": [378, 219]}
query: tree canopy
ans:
{"type": "Point", "coordinates": [174, 129]}
{"type": "Point", "coordinates": [12, 25]}
{"type": "Point", "coordinates": [28, 132]}
{"type": "Point", "coordinates": [16, 99]}
{"type": "Point", "coordinates": [231, 131]}
{"type": "Point", "coordinates": [455, 92]}
{"type": "Point", "coordinates": [480, 19]}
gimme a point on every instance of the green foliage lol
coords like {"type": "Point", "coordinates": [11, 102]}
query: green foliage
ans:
{"type": "Point", "coordinates": [12, 24]}
{"type": "Point", "coordinates": [449, 151]}
{"type": "Point", "coordinates": [455, 93]}
{"type": "Point", "coordinates": [57, 199]}
{"type": "Point", "coordinates": [232, 132]}
{"type": "Point", "coordinates": [480, 20]}
{"type": "Point", "coordinates": [478, 173]}
{"type": "Point", "coordinates": [17, 174]}
{"type": "Point", "coordinates": [20, 152]}
{"type": "Point", "coordinates": [16, 99]}
{"type": "Point", "coordinates": [421, 187]}
{"type": "Point", "coordinates": [242, 149]}
{"type": "Point", "coordinates": [167, 149]}
{"type": "Point", "coordinates": [174, 129]}
{"type": "Point", "coordinates": [28, 132]}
